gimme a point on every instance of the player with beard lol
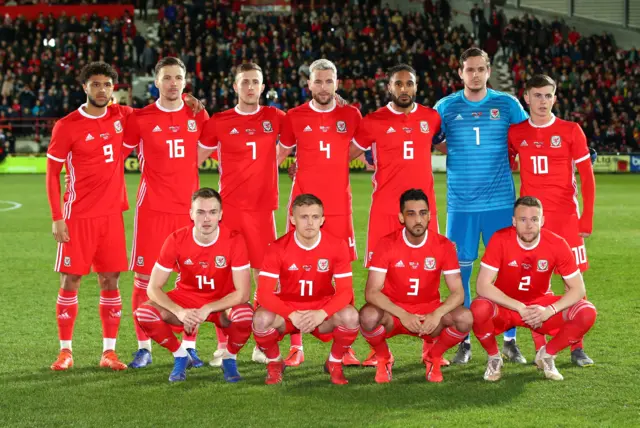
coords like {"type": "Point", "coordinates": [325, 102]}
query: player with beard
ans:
{"type": "Point", "coordinates": [514, 290]}
{"type": "Point", "coordinates": [480, 189]}
{"type": "Point", "coordinates": [400, 137]}
{"type": "Point", "coordinates": [403, 290]}
{"type": "Point", "coordinates": [321, 130]}
{"type": "Point", "coordinates": [90, 228]}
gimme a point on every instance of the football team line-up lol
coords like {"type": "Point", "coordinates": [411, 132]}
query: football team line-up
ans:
{"type": "Point", "coordinates": [217, 242]}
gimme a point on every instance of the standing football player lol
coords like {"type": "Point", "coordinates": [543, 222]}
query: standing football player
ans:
{"type": "Point", "coordinates": [480, 189]}
{"type": "Point", "coordinates": [549, 149]}
{"type": "Point", "coordinates": [321, 131]}
{"type": "Point", "coordinates": [166, 135]}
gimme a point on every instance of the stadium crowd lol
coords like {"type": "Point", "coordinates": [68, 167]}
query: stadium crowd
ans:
{"type": "Point", "coordinates": [40, 60]}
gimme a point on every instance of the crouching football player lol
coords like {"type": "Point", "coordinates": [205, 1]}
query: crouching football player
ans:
{"type": "Point", "coordinates": [213, 285]}
{"type": "Point", "coordinates": [403, 294]}
{"type": "Point", "coordinates": [305, 286]}
{"type": "Point", "coordinates": [521, 260]}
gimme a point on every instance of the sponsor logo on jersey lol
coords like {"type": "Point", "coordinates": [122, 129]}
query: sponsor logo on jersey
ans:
{"type": "Point", "coordinates": [89, 137]}
{"type": "Point", "coordinates": [407, 130]}
{"type": "Point", "coordinates": [307, 268]}
{"type": "Point", "coordinates": [556, 142]}
{"type": "Point", "coordinates": [459, 117]}
{"type": "Point", "coordinates": [221, 261]}
{"type": "Point", "coordinates": [543, 265]}
{"type": "Point", "coordinates": [524, 143]}
{"type": "Point", "coordinates": [204, 265]}
{"type": "Point", "coordinates": [188, 262]}
{"type": "Point", "coordinates": [250, 131]}
{"type": "Point", "coordinates": [341, 126]}
{"type": "Point", "coordinates": [526, 266]}
{"type": "Point", "coordinates": [494, 114]}
{"type": "Point", "coordinates": [424, 126]}
{"type": "Point", "coordinates": [513, 263]}
{"type": "Point", "coordinates": [140, 261]}
{"type": "Point", "coordinates": [307, 129]}
{"type": "Point", "coordinates": [234, 131]}
{"type": "Point", "coordinates": [175, 128]}
{"type": "Point", "coordinates": [538, 144]}
{"type": "Point", "coordinates": [476, 115]}
{"type": "Point", "coordinates": [266, 126]}
{"type": "Point", "coordinates": [324, 128]}
{"type": "Point", "coordinates": [192, 126]}
{"type": "Point", "coordinates": [117, 126]}
{"type": "Point", "coordinates": [105, 136]}
{"type": "Point", "coordinates": [390, 130]}
{"type": "Point", "coordinates": [323, 265]}
{"type": "Point", "coordinates": [400, 264]}
{"type": "Point", "coordinates": [429, 263]}
{"type": "Point", "coordinates": [293, 267]}
{"type": "Point", "coordinates": [414, 265]}
{"type": "Point", "coordinates": [157, 129]}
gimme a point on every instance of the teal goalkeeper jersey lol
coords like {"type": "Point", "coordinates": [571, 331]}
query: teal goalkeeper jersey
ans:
{"type": "Point", "coordinates": [478, 173]}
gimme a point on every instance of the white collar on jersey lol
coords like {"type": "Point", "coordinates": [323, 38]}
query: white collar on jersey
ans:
{"type": "Point", "coordinates": [246, 114]}
{"type": "Point", "coordinates": [546, 125]}
{"type": "Point", "coordinates": [390, 107]}
{"type": "Point", "coordinates": [87, 115]}
{"type": "Point", "coordinates": [406, 241]}
{"type": "Point", "coordinates": [314, 108]}
{"type": "Point", "coordinates": [167, 110]}
{"type": "Point", "coordinates": [202, 244]}
{"type": "Point", "coordinates": [295, 238]}
{"type": "Point", "coordinates": [529, 248]}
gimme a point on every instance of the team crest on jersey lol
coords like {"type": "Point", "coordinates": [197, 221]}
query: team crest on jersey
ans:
{"type": "Point", "coordinates": [266, 126]}
{"type": "Point", "coordinates": [67, 261]}
{"type": "Point", "coordinates": [424, 126]}
{"type": "Point", "coordinates": [221, 261]}
{"type": "Point", "coordinates": [191, 125]}
{"type": "Point", "coordinates": [414, 265]}
{"type": "Point", "coordinates": [543, 265]}
{"type": "Point", "coordinates": [556, 142]}
{"type": "Point", "coordinates": [429, 263]}
{"type": "Point", "coordinates": [494, 114]}
{"type": "Point", "coordinates": [323, 265]}
{"type": "Point", "coordinates": [341, 126]}
{"type": "Point", "coordinates": [204, 265]}
{"type": "Point", "coordinates": [118, 126]}
{"type": "Point", "coordinates": [140, 261]}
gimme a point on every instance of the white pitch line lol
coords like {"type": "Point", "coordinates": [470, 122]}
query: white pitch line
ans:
{"type": "Point", "coordinates": [14, 205]}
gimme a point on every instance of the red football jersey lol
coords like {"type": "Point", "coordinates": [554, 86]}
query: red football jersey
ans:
{"type": "Point", "coordinates": [401, 146]}
{"type": "Point", "coordinates": [306, 274]}
{"type": "Point", "coordinates": [548, 154]}
{"type": "Point", "coordinates": [322, 154]}
{"type": "Point", "coordinates": [90, 148]}
{"type": "Point", "coordinates": [204, 268]}
{"type": "Point", "coordinates": [413, 271]}
{"type": "Point", "coordinates": [524, 274]}
{"type": "Point", "coordinates": [168, 152]}
{"type": "Point", "coordinates": [246, 144]}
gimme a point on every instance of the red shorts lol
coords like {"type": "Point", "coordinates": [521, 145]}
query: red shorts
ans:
{"type": "Point", "coordinates": [381, 224]}
{"type": "Point", "coordinates": [305, 306]}
{"type": "Point", "coordinates": [567, 226]}
{"type": "Point", "coordinates": [191, 300]}
{"type": "Point", "coordinates": [340, 226]}
{"type": "Point", "coordinates": [150, 230]}
{"type": "Point", "coordinates": [504, 319]}
{"type": "Point", "coordinates": [398, 328]}
{"type": "Point", "coordinates": [257, 227]}
{"type": "Point", "coordinates": [97, 242]}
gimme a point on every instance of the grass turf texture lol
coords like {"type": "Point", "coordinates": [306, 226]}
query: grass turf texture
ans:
{"type": "Point", "coordinates": [32, 395]}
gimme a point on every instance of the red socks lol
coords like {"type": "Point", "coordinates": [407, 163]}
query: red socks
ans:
{"type": "Point", "coordinates": [343, 338]}
{"type": "Point", "coordinates": [238, 332]}
{"type": "Point", "coordinates": [66, 312]}
{"type": "Point", "coordinates": [483, 312]}
{"type": "Point", "coordinates": [448, 338]}
{"type": "Point", "coordinates": [154, 327]}
{"type": "Point", "coordinates": [267, 341]}
{"type": "Point", "coordinates": [137, 299]}
{"type": "Point", "coordinates": [377, 340]}
{"type": "Point", "coordinates": [580, 319]}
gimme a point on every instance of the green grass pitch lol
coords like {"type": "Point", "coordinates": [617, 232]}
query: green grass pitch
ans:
{"type": "Point", "coordinates": [32, 395]}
